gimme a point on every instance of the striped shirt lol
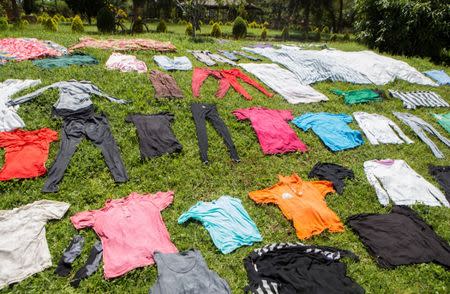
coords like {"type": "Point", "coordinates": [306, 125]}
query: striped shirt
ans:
{"type": "Point", "coordinates": [359, 67]}
{"type": "Point", "coordinates": [411, 100]}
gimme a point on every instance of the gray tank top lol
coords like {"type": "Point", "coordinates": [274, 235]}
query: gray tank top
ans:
{"type": "Point", "coordinates": [186, 273]}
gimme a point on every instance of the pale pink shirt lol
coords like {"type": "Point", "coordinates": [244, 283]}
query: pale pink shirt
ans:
{"type": "Point", "coordinates": [126, 63]}
{"type": "Point", "coordinates": [131, 230]}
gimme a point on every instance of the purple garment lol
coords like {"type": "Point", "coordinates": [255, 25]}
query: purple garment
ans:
{"type": "Point", "coordinates": [274, 133]}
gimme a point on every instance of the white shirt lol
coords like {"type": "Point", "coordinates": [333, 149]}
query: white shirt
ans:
{"type": "Point", "coordinates": [396, 180]}
{"type": "Point", "coordinates": [284, 83]}
{"type": "Point", "coordinates": [380, 129]}
{"type": "Point", "coordinates": [23, 245]}
{"type": "Point", "coordinates": [9, 119]}
{"type": "Point", "coordinates": [360, 67]}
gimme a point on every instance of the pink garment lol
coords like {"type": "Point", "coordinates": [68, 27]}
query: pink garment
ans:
{"type": "Point", "coordinates": [125, 44]}
{"type": "Point", "coordinates": [131, 230]}
{"type": "Point", "coordinates": [274, 133]}
{"type": "Point", "coordinates": [27, 49]}
{"type": "Point", "coordinates": [126, 63]}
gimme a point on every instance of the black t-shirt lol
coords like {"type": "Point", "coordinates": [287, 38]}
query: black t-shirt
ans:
{"type": "Point", "coordinates": [400, 237]}
{"type": "Point", "coordinates": [155, 134]}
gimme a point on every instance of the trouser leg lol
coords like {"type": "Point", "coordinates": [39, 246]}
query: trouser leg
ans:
{"type": "Point", "coordinates": [222, 129]}
{"type": "Point", "coordinates": [71, 135]}
{"type": "Point", "coordinates": [98, 131]}
{"type": "Point", "coordinates": [91, 265]}
{"type": "Point", "coordinates": [198, 113]}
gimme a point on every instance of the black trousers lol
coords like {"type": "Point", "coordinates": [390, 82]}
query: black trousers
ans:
{"type": "Point", "coordinates": [78, 125]}
{"type": "Point", "coordinates": [201, 112]}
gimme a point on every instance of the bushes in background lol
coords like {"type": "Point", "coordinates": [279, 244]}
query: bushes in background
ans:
{"type": "Point", "coordinates": [161, 27]}
{"type": "Point", "coordinates": [77, 24]}
{"type": "Point", "coordinates": [413, 28]}
{"type": "Point", "coordinates": [285, 34]}
{"type": "Point", "coordinates": [50, 24]}
{"type": "Point", "coordinates": [216, 31]}
{"type": "Point", "coordinates": [189, 29]}
{"type": "Point", "coordinates": [4, 23]}
{"type": "Point", "coordinates": [239, 28]}
{"type": "Point", "coordinates": [106, 22]}
{"type": "Point", "coordinates": [264, 34]}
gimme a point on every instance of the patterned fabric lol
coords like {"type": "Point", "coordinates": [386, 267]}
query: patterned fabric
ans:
{"type": "Point", "coordinates": [361, 67]}
{"type": "Point", "coordinates": [411, 100]}
{"type": "Point", "coordinates": [421, 127]}
{"type": "Point", "coordinates": [125, 63]}
{"type": "Point", "coordinates": [28, 48]}
{"type": "Point", "coordinates": [125, 44]}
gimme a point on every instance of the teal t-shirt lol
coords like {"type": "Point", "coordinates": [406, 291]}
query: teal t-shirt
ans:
{"type": "Point", "coordinates": [66, 60]}
{"type": "Point", "coordinates": [443, 120]}
{"type": "Point", "coordinates": [359, 96]}
{"type": "Point", "coordinates": [227, 222]}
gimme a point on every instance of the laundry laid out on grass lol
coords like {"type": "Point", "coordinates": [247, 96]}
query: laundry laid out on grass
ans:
{"type": "Point", "coordinates": [132, 230]}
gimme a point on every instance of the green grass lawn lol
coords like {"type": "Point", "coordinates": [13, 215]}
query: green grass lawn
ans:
{"type": "Point", "coordinates": [88, 184]}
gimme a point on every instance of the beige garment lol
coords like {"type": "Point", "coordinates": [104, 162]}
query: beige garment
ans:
{"type": "Point", "coordinates": [23, 245]}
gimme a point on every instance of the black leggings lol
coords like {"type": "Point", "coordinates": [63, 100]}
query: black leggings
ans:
{"type": "Point", "coordinates": [96, 129]}
{"type": "Point", "coordinates": [201, 112]}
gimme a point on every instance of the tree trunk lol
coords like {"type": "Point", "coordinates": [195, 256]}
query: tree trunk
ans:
{"type": "Point", "coordinates": [341, 8]}
{"type": "Point", "coordinates": [56, 6]}
{"type": "Point", "coordinates": [15, 10]}
{"type": "Point", "coordinates": [307, 13]}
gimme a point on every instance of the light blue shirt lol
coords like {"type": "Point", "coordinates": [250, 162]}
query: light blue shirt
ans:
{"type": "Point", "coordinates": [177, 63]}
{"type": "Point", "coordinates": [227, 222]}
{"type": "Point", "coordinates": [440, 76]}
{"type": "Point", "coordinates": [331, 128]}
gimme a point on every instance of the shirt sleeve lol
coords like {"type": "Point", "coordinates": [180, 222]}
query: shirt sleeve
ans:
{"type": "Point", "coordinates": [193, 212]}
{"type": "Point", "coordinates": [162, 199]}
{"type": "Point", "coordinates": [47, 209]}
{"type": "Point", "coordinates": [96, 91]}
{"type": "Point", "coordinates": [345, 117]}
{"type": "Point", "coordinates": [303, 122]}
{"type": "Point", "coordinates": [32, 95]}
{"type": "Point", "coordinates": [241, 114]}
{"type": "Point", "coordinates": [84, 219]}
{"type": "Point", "coordinates": [324, 187]}
{"type": "Point", "coordinates": [129, 118]}
{"type": "Point", "coordinates": [286, 115]}
{"type": "Point", "coordinates": [262, 196]}
{"type": "Point", "coordinates": [382, 195]}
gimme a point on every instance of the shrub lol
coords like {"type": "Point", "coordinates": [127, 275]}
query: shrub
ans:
{"type": "Point", "coordinates": [333, 38]}
{"type": "Point", "coordinates": [325, 30]}
{"type": "Point", "coordinates": [229, 23]}
{"type": "Point", "coordinates": [264, 34]}
{"type": "Point", "coordinates": [4, 24]}
{"type": "Point", "coordinates": [50, 24]}
{"type": "Point", "coordinates": [413, 28]}
{"type": "Point", "coordinates": [346, 37]}
{"type": "Point", "coordinates": [138, 26]}
{"type": "Point", "coordinates": [216, 32]}
{"type": "Point", "coordinates": [56, 19]}
{"type": "Point", "coordinates": [220, 23]}
{"type": "Point", "coordinates": [105, 20]}
{"type": "Point", "coordinates": [77, 24]}
{"type": "Point", "coordinates": [265, 24]}
{"type": "Point", "coordinates": [211, 22]}
{"type": "Point", "coordinates": [239, 28]}
{"type": "Point", "coordinates": [314, 35]}
{"type": "Point", "coordinates": [201, 23]}
{"type": "Point", "coordinates": [285, 34]}
{"type": "Point", "coordinates": [161, 27]}
{"type": "Point", "coordinates": [253, 25]}
{"type": "Point", "coordinates": [189, 29]}
{"type": "Point", "coordinates": [2, 11]}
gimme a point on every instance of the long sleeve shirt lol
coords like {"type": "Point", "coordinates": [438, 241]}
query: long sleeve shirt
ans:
{"type": "Point", "coordinates": [397, 181]}
{"type": "Point", "coordinates": [73, 95]}
{"type": "Point", "coordinates": [380, 130]}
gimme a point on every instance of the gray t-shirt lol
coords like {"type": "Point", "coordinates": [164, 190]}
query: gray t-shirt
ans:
{"type": "Point", "coordinates": [23, 245]}
{"type": "Point", "coordinates": [186, 273]}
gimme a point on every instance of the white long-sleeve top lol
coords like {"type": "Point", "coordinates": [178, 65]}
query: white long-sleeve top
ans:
{"type": "Point", "coordinates": [380, 129]}
{"type": "Point", "coordinates": [396, 180]}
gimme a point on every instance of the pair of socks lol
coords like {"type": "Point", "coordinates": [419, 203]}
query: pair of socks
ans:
{"type": "Point", "coordinates": [71, 253]}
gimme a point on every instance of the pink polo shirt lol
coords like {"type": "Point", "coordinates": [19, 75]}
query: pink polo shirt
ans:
{"type": "Point", "coordinates": [274, 133]}
{"type": "Point", "coordinates": [131, 230]}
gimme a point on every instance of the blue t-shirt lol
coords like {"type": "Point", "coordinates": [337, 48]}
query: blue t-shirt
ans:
{"type": "Point", "coordinates": [331, 128]}
{"type": "Point", "coordinates": [440, 76]}
{"type": "Point", "coordinates": [227, 222]}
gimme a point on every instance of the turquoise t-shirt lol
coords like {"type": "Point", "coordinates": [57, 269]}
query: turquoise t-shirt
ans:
{"type": "Point", "coordinates": [331, 128]}
{"type": "Point", "coordinates": [227, 222]}
{"type": "Point", "coordinates": [443, 120]}
{"type": "Point", "coordinates": [359, 96]}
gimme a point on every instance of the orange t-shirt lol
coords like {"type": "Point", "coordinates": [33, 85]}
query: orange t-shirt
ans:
{"type": "Point", "coordinates": [303, 203]}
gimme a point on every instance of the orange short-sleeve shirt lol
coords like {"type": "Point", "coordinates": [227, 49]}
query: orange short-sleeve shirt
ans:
{"type": "Point", "coordinates": [303, 203]}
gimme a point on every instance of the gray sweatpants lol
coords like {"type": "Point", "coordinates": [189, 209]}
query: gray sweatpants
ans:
{"type": "Point", "coordinates": [96, 129]}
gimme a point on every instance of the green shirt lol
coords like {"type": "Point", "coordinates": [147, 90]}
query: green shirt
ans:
{"type": "Point", "coordinates": [359, 96]}
{"type": "Point", "coordinates": [443, 120]}
{"type": "Point", "coordinates": [65, 60]}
